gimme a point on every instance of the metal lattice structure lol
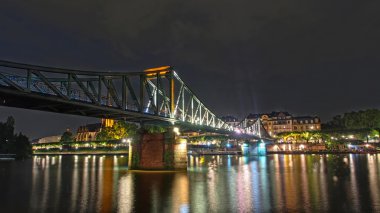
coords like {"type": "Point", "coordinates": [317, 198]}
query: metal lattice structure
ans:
{"type": "Point", "coordinates": [156, 94]}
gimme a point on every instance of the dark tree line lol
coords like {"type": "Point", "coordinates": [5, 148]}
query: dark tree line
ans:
{"type": "Point", "coordinates": [11, 143]}
{"type": "Point", "coordinates": [364, 119]}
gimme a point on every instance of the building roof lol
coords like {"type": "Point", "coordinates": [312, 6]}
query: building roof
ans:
{"type": "Point", "coordinates": [229, 118]}
{"type": "Point", "coordinates": [279, 114]}
{"type": "Point", "coordinates": [270, 115]}
{"type": "Point", "coordinates": [305, 117]}
{"type": "Point", "coordinates": [90, 128]}
{"type": "Point", "coordinates": [254, 116]}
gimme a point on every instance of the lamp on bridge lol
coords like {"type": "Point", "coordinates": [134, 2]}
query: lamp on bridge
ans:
{"type": "Point", "coordinates": [176, 130]}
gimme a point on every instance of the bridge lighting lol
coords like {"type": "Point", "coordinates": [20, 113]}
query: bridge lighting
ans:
{"type": "Point", "coordinates": [176, 130]}
{"type": "Point", "coordinates": [155, 69]}
{"type": "Point", "coordinates": [124, 140]}
{"type": "Point", "coordinates": [238, 131]}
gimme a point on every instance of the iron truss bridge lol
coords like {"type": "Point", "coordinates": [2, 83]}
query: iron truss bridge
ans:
{"type": "Point", "coordinates": [156, 94]}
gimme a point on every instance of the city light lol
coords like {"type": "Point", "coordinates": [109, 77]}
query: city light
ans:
{"type": "Point", "coordinates": [176, 130]}
{"type": "Point", "coordinates": [238, 131]}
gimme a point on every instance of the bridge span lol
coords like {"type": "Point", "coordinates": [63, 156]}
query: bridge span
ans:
{"type": "Point", "coordinates": [152, 95]}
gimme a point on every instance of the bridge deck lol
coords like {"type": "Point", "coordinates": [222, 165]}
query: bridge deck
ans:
{"type": "Point", "coordinates": [50, 103]}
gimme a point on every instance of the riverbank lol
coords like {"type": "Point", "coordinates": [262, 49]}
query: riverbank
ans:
{"type": "Point", "coordinates": [213, 152]}
{"type": "Point", "coordinates": [192, 152]}
{"type": "Point", "coordinates": [7, 157]}
{"type": "Point", "coordinates": [101, 152]}
{"type": "Point", "coordinates": [324, 152]}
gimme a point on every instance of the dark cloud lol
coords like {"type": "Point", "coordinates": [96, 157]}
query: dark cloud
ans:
{"type": "Point", "coordinates": [318, 57]}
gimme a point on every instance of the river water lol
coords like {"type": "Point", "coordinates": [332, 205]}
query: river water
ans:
{"type": "Point", "coordinates": [291, 183]}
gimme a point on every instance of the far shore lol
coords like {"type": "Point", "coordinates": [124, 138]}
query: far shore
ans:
{"type": "Point", "coordinates": [195, 153]}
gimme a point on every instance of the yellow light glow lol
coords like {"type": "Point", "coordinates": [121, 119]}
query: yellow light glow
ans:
{"type": "Point", "coordinates": [176, 130]}
{"type": "Point", "coordinates": [163, 68]}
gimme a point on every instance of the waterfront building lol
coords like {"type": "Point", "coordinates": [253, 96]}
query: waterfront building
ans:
{"type": "Point", "coordinates": [306, 123]}
{"type": "Point", "coordinates": [88, 132]}
{"type": "Point", "coordinates": [47, 139]}
{"type": "Point", "coordinates": [278, 122]}
{"type": "Point", "coordinates": [231, 120]}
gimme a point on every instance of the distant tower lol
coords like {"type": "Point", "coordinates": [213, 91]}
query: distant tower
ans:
{"type": "Point", "coordinates": [107, 122]}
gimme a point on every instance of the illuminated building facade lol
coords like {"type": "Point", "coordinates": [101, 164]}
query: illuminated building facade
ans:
{"type": "Point", "coordinates": [231, 120]}
{"type": "Point", "coordinates": [277, 122]}
{"type": "Point", "coordinates": [47, 139]}
{"type": "Point", "coordinates": [306, 123]}
{"type": "Point", "coordinates": [88, 132]}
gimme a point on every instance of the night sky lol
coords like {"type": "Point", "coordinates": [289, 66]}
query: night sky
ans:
{"type": "Point", "coordinates": [318, 57]}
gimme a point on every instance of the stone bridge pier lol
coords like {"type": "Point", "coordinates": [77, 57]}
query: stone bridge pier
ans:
{"type": "Point", "coordinates": [158, 151]}
{"type": "Point", "coordinates": [254, 148]}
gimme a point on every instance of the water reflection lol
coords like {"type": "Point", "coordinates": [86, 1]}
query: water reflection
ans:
{"type": "Point", "coordinates": [307, 183]}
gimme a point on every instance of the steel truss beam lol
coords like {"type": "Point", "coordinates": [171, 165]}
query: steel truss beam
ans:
{"type": "Point", "coordinates": [153, 94]}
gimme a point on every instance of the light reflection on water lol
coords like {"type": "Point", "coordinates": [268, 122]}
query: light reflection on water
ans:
{"type": "Point", "coordinates": [307, 183]}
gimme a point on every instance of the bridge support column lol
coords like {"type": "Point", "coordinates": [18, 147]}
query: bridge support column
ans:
{"type": "Point", "coordinates": [158, 151]}
{"type": "Point", "coordinates": [253, 149]}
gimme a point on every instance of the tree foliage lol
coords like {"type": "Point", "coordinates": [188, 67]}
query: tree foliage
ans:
{"type": "Point", "coordinates": [367, 119]}
{"type": "Point", "coordinates": [306, 136]}
{"type": "Point", "coordinates": [67, 136]}
{"type": "Point", "coordinates": [11, 143]}
{"type": "Point", "coordinates": [119, 130]}
{"type": "Point", "coordinates": [154, 129]}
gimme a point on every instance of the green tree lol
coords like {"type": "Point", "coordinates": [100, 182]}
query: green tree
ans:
{"type": "Point", "coordinates": [119, 130]}
{"type": "Point", "coordinates": [104, 134]}
{"type": "Point", "coordinates": [67, 136]}
{"type": "Point", "coordinates": [306, 136]}
{"type": "Point", "coordinates": [11, 143]}
{"type": "Point", "coordinates": [20, 146]}
{"type": "Point", "coordinates": [364, 119]}
{"type": "Point", "coordinates": [154, 128]}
